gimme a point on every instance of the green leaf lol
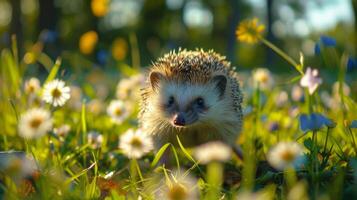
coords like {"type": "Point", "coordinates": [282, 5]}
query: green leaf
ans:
{"type": "Point", "coordinates": [159, 154]}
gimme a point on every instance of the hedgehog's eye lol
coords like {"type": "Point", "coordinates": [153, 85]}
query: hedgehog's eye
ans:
{"type": "Point", "coordinates": [200, 102]}
{"type": "Point", "coordinates": [171, 101]}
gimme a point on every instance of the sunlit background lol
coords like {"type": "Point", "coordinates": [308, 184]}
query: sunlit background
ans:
{"type": "Point", "coordinates": [135, 32]}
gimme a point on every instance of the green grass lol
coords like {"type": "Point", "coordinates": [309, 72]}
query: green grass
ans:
{"type": "Point", "coordinates": [69, 168]}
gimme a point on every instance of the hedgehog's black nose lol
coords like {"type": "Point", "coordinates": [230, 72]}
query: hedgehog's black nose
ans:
{"type": "Point", "coordinates": [179, 120]}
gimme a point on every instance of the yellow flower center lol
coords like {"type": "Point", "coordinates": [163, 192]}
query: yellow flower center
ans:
{"type": "Point", "coordinates": [136, 142]}
{"type": "Point", "coordinates": [118, 111]}
{"type": "Point", "coordinates": [287, 156]}
{"type": "Point", "coordinates": [177, 192]}
{"type": "Point", "coordinates": [56, 93]}
{"type": "Point", "coordinates": [36, 122]}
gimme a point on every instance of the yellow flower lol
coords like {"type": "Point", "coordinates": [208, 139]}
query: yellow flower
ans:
{"type": "Point", "coordinates": [87, 42]}
{"type": "Point", "coordinates": [119, 49]}
{"type": "Point", "coordinates": [100, 7]}
{"type": "Point", "coordinates": [249, 31]}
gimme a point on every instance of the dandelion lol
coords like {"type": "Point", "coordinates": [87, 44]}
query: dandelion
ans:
{"type": "Point", "coordinates": [311, 80]}
{"type": "Point", "coordinates": [263, 77]}
{"type": "Point", "coordinates": [56, 93]}
{"type": "Point", "coordinates": [178, 187]}
{"type": "Point", "coordinates": [100, 7]}
{"type": "Point", "coordinates": [135, 144]}
{"type": "Point", "coordinates": [87, 42]}
{"type": "Point", "coordinates": [35, 123]}
{"type": "Point", "coordinates": [285, 155]}
{"type": "Point", "coordinates": [32, 85]}
{"type": "Point", "coordinates": [250, 31]}
{"type": "Point", "coordinates": [117, 111]}
{"type": "Point", "coordinates": [95, 139]}
{"type": "Point", "coordinates": [213, 151]}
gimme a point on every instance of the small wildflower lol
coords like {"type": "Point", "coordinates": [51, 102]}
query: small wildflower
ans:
{"type": "Point", "coordinates": [351, 64]}
{"type": "Point", "coordinates": [100, 7]}
{"type": "Point", "coordinates": [56, 93]}
{"type": "Point", "coordinates": [17, 164]}
{"type": "Point", "coordinates": [119, 49]}
{"type": "Point", "coordinates": [32, 85]}
{"type": "Point", "coordinates": [285, 154]}
{"type": "Point", "coordinates": [96, 106]}
{"type": "Point", "coordinates": [62, 131]}
{"type": "Point", "coordinates": [297, 93]}
{"type": "Point", "coordinates": [281, 99]}
{"type": "Point", "coordinates": [35, 123]}
{"type": "Point", "coordinates": [135, 144]}
{"type": "Point", "coordinates": [328, 41]}
{"type": "Point", "coordinates": [117, 111]}
{"type": "Point", "coordinates": [263, 77]}
{"type": "Point", "coordinates": [129, 88]}
{"type": "Point", "coordinates": [250, 31]}
{"type": "Point", "coordinates": [213, 151]}
{"type": "Point", "coordinates": [95, 139]}
{"type": "Point", "coordinates": [87, 42]}
{"type": "Point", "coordinates": [311, 80]}
{"type": "Point", "coordinates": [178, 187]}
{"type": "Point", "coordinates": [314, 122]}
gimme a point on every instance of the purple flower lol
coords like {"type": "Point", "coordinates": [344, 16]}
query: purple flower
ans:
{"type": "Point", "coordinates": [353, 124]}
{"type": "Point", "coordinates": [311, 80]}
{"type": "Point", "coordinates": [317, 49]}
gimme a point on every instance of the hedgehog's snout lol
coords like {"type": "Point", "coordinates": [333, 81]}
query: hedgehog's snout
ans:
{"type": "Point", "coordinates": [179, 120]}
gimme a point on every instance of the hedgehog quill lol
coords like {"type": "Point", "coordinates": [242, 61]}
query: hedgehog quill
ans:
{"type": "Point", "coordinates": [195, 95]}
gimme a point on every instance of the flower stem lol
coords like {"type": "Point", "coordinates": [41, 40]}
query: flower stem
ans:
{"type": "Point", "coordinates": [214, 179]}
{"type": "Point", "coordinates": [282, 54]}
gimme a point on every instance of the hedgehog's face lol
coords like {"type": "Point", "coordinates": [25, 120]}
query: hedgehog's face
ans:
{"type": "Point", "coordinates": [185, 104]}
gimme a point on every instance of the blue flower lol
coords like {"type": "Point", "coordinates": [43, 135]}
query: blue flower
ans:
{"type": "Point", "coordinates": [317, 49]}
{"type": "Point", "coordinates": [328, 41]}
{"type": "Point", "coordinates": [353, 124]}
{"type": "Point", "coordinates": [102, 56]}
{"type": "Point", "coordinates": [351, 64]}
{"type": "Point", "coordinates": [314, 122]}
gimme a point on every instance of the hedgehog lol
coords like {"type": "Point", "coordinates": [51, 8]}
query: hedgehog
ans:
{"type": "Point", "coordinates": [194, 95]}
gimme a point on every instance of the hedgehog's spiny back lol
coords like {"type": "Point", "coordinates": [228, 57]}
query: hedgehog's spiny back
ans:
{"type": "Point", "coordinates": [191, 66]}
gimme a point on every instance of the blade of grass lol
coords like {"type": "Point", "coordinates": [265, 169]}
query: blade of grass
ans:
{"type": "Point", "coordinates": [159, 154]}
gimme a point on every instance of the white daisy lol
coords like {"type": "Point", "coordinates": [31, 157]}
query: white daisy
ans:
{"type": "Point", "coordinates": [32, 85]}
{"type": "Point", "coordinates": [135, 144]}
{"type": "Point", "coordinates": [178, 187]}
{"type": "Point", "coordinates": [35, 123]}
{"type": "Point", "coordinates": [95, 139]}
{"type": "Point", "coordinates": [297, 93]}
{"type": "Point", "coordinates": [311, 80]}
{"type": "Point", "coordinates": [285, 154]}
{"type": "Point", "coordinates": [118, 111]}
{"type": "Point", "coordinates": [263, 77]}
{"type": "Point", "coordinates": [213, 151]}
{"type": "Point", "coordinates": [56, 93]}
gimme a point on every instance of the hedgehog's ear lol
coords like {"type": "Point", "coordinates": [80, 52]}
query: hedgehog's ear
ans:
{"type": "Point", "coordinates": [155, 78]}
{"type": "Point", "coordinates": [220, 82]}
